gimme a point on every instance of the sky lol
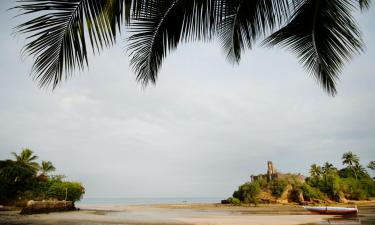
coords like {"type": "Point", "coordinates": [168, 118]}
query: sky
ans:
{"type": "Point", "coordinates": [201, 131]}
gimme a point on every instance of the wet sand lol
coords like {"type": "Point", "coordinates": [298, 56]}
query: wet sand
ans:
{"type": "Point", "coordinates": [198, 214]}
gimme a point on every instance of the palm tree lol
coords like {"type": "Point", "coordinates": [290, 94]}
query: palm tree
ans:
{"type": "Point", "coordinates": [315, 170]}
{"type": "Point", "coordinates": [352, 161]}
{"type": "Point", "coordinates": [371, 165]}
{"type": "Point", "coordinates": [328, 168]}
{"type": "Point", "coordinates": [323, 34]}
{"type": "Point", "coordinates": [27, 158]}
{"type": "Point", "coordinates": [46, 167]}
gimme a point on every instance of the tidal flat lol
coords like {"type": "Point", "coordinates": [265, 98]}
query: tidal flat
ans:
{"type": "Point", "coordinates": [188, 214]}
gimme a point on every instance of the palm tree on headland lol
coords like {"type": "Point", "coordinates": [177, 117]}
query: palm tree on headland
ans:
{"type": "Point", "coordinates": [46, 167]}
{"type": "Point", "coordinates": [328, 168]}
{"type": "Point", "coordinates": [323, 34]}
{"type": "Point", "coordinates": [371, 165]}
{"type": "Point", "coordinates": [27, 158]}
{"type": "Point", "coordinates": [352, 161]}
{"type": "Point", "coordinates": [315, 170]}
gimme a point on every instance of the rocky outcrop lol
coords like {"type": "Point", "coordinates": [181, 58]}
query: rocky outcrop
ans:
{"type": "Point", "coordinates": [33, 207]}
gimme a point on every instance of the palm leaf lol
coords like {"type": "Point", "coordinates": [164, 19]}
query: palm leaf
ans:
{"type": "Point", "coordinates": [244, 21]}
{"type": "Point", "coordinates": [57, 33]}
{"type": "Point", "coordinates": [364, 4]}
{"type": "Point", "coordinates": [324, 35]}
{"type": "Point", "coordinates": [161, 26]}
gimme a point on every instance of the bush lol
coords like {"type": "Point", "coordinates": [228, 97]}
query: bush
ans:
{"type": "Point", "coordinates": [278, 187]}
{"type": "Point", "coordinates": [247, 193]}
{"type": "Point", "coordinates": [73, 191]}
{"type": "Point", "coordinates": [262, 182]}
{"type": "Point", "coordinates": [358, 189]}
{"type": "Point", "coordinates": [234, 201]}
{"type": "Point", "coordinates": [310, 193]}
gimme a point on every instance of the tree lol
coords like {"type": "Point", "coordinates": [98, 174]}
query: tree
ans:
{"type": "Point", "coordinates": [46, 167]}
{"type": "Point", "coordinates": [315, 170]}
{"type": "Point", "coordinates": [14, 177]}
{"type": "Point", "coordinates": [323, 34]}
{"type": "Point", "coordinates": [27, 158]}
{"type": "Point", "coordinates": [371, 165]}
{"type": "Point", "coordinates": [328, 168]}
{"type": "Point", "coordinates": [352, 161]}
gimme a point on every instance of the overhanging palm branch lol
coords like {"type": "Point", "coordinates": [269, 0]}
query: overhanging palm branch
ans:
{"type": "Point", "coordinates": [57, 34]}
{"type": "Point", "coordinates": [245, 21]}
{"type": "Point", "coordinates": [324, 35]}
{"type": "Point", "coordinates": [364, 4]}
{"type": "Point", "coordinates": [161, 26]}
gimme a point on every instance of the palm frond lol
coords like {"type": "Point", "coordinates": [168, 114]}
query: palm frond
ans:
{"type": "Point", "coordinates": [323, 34]}
{"type": "Point", "coordinates": [364, 4]}
{"type": "Point", "coordinates": [57, 33]}
{"type": "Point", "coordinates": [160, 28]}
{"type": "Point", "coordinates": [244, 21]}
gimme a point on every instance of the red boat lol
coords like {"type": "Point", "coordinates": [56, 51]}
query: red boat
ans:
{"type": "Point", "coordinates": [331, 210]}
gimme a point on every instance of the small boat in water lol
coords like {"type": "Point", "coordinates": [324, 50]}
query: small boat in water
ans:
{"type": "Point", "coordinates": [331, 210]}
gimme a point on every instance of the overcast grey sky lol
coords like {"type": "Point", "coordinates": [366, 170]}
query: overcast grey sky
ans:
{"type": "Point", "coordinates": [201, 131]}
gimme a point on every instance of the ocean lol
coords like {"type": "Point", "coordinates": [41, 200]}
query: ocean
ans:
{"type": "Point", "coordinates": [142, 201]}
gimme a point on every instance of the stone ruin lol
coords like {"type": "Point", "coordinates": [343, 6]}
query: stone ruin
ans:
{"type": "Point", "coordinates": [272, 174]}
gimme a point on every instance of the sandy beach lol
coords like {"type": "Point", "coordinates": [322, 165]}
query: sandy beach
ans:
{"type": "Point", "coordinates": [198, 214]}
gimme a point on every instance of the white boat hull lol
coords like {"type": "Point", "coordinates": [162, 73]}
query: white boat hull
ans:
{"type": "Point", "coordinates": [331, 210]}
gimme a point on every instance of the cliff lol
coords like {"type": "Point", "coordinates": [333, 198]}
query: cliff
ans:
{"type": "Point", "coordinates": [33, 207]}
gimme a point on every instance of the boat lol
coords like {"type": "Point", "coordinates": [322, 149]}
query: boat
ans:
{"type": "Point", "coordinates": [331, 210]}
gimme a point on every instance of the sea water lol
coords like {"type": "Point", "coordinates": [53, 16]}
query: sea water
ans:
{"type": "Point", "coordinates": [144, 201]}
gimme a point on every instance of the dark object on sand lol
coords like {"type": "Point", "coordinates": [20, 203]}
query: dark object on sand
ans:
{"type": "Point", "coordinates": [33, 207]}
{"type": "Point", "coordinates": [225, 201]}
{"type": "Point", "coordinates": [331, 210]}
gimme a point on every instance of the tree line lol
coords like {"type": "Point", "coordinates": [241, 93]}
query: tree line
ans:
{"type": "Point", "coordinates": [326, 183]}
{"type": "Point", "coordinates": [23, 178]}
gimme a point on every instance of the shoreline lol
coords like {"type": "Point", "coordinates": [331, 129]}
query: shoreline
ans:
{"type": "Point", "coordinates": [171, 214]}
{"type": "Point", "coordinates": [202, 206]}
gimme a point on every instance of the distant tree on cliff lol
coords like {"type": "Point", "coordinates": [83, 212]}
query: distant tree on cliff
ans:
{"type": "Point", "coordinates": [27, 158]}
{"type": "Point", "coordinates": [46, 167]}
{"type": "Point", "coordinates": [371, 165]}
{"type": "Point", "coordinates": [315, 170]}
{"type": "Point", "coordinates": [352, 161]}
{"type": "Point", "coordinates": [328, 168]}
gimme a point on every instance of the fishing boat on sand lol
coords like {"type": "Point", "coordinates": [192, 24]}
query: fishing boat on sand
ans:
{"type": "Point", "coordinates": [331, 210]}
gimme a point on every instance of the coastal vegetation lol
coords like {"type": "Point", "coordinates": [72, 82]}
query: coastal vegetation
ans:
{"type": "Point", "coordinates": [326, 183]}
{"type": "Point", "coordinates": [23, 179]}
{"type": "Point", "coordinates": [323, 34]}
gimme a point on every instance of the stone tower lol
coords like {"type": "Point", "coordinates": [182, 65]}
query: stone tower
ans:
{"type": "Point", "coordinates": [269, 170]}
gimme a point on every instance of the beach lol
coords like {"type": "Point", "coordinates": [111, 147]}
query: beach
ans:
{"type": "Point", "coordinates": [189, 214]}
{"type": "Point", "coordinates": [173, 214]}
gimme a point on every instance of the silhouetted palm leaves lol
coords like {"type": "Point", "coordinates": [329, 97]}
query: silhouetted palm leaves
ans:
{"type": "Point", "coordinates": [57, 33]}
{"type": "Point", "coordinates": [323, 34]}
{"type": "Point", "coordinates": [160, 28]}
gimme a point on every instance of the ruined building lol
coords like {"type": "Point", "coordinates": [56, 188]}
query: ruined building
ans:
{"type": "Point", "coordinates": [272, 174]}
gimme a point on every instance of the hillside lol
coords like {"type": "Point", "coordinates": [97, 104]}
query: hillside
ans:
{"type": "Point", "coordinates": [324, 185]}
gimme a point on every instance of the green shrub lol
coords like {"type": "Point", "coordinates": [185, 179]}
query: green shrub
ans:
{"type": "Point", "coordinates": [250, 192]}
{"type": "Point", "coordinates": [278, 186]}
{"type": "Point", "coordinates": [72, 190]}
{"type": "Point", "coordinates": [263, 183]}
{"type": "Point", "coordinates": [234, 201]}
{"type": "Point", "coordinates": [310, 193]}
{"type": "Point", "coordinates": [247, 193]}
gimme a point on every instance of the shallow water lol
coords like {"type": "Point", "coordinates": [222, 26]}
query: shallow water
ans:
{"type": "Point", "coordinates": [366, 216]}
{"type": "Point", "coordinates": [144, 201]}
